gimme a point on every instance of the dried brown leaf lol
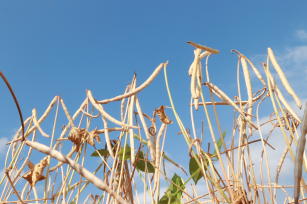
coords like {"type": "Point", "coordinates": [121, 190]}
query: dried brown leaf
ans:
{"type": "Point", "coordinates": [36, 171]}
{"type": "Point", "coordinates": [80, 136]}
{"type": "Point", "coordinates": [163, 117]}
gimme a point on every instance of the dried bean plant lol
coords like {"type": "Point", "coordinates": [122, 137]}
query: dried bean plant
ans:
{"type": "Point", "coordinates": [94, 156]}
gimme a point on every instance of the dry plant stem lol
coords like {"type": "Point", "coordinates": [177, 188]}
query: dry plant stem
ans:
{"type": "Point", "coordinates": [284, 101]}
{"type": "Point", "coordinates": [241, 124]}
{"type": "Point", "coordinates": [242, 129]}
{"type": "Point", "coordinates": [130, 118]}
{"type": "Point", "coordinates": [35, 194]}
{"type": "Point", "coordinates": [122, 104]}
{"type": "Point", "coordinates": [67, 113]}
{"type": "Point", "coordinates": [21, 169]}
{"type": "Point", "coordinates": [213, 180]}
{"type": "Point", "coordinates": [282, 159]}
{"type": "Point", "coordinates": [116, 164]}
{"type": "Point", "coordinates": [80, 169]}
{"type": "Point", "coordinates": [182, 128]}
{"type": "Point", "coordinates": [273, 186]}
{"type": "Point", "coordinates": [101, 131]}
{"type": "Point", "coordinates": [90, 115]}
{"type": "Point", "coordinates": [138, 89]}
{"type": "Point", "coordinates": [13, 186]}
{"type": "Point", "coordinates": [161, 159]}
{"type": "Point", "coordinates": [84, 103]}
{"type": "Point", "coordinates": [104, 113]}
{"type": "Point", "coordinates": [107, 138]}
{"type": "Point", "coordinates": [207, 69]}
{"type": "Point", "coordinates": [145, 128]}
{"type": "Point", "coordinates": [283, 78]}
{"type": "Point", "coordinates": [15, 154]}
{"type": "Point", "coordinates": [256, 98]}
{"type": "Point", "coordinates": [226, 98]}
{"type": "Point", "coordinates": [277, 110]}
{"type": "Point", "coordinates": [216, 148]}
{"type": "Point", "coordinates": [42, 118]}
{"type": "Point", "coordinates": [217, 120]}
{"type": "Point", "coordinates": [245, 144]}
{"type": "Point", "coordinates": [60, 163]}
{"type": "Point", "coordinates": [30, 201]}
{"type": "Point", "coordinates": [299, 157]}
{"type": "Point", "coordinates": [81, 178]}
{"type": "Point", "coordinates": [248, 87]}
{"type": "Point", "coordinates": [158, 155]}
{"type": "Point", "coordinates": [62, 190]}
{"type": "Point", "coordinates": [256, 71]}
{"type": "Point", "coordinates": [54, 126]}
{"type": "Point", "coordinates": [16, 103]}
{"type": "Point", "coordinates": [288, 142]}
{"type": "Point", "coordinates": [260, 132]}
{"type": "Point", "coordinates": [233, 183]}
{"type": "Point", "coordinates": [37, 125]}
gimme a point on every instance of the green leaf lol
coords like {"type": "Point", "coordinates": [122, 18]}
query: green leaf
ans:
{"type": "Point", "coordinates": [124, 153]}
{"type": "Point", "coordinates": [102, 152]}
{"type": "Point", "coordinates": [143, 164]}
{"type": "Point", "coordinates": [174, 192]}
{"type": "Point", "coordinates": [195, 169]}
{"type": "Point", "coordinates": [219, 143]}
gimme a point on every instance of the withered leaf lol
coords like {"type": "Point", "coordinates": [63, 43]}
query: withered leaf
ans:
{"type": "Point", "coordinates": [36, 171]}
{"type": "Point", "coordinates": [80, 135]}
{"type": "Point", "coordinates": [163, 117]}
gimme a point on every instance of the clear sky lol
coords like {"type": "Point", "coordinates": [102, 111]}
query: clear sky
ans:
{"type": "Point", "coordinates": [50, 48]}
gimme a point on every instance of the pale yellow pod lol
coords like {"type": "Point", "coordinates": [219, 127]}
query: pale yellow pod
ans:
{"type": "Point", "coordinates": [283, 78]}
{"type": "Point", "coordinates": [196, 104]}
{"type": "Point", "coordinates": [211, 50]}
{"type": "Point", "coordinates": [204, 54]}
{"type": "Point", "coordinates": [138, 89]}
{"type": "Point", "coordinates": [280, 95]}
{"type": "Point", "coordinates": [191, 68]}
{"type": "Point", "coordinates": [231, 102]}
{"type": "Point", "coordinates": [248, 87]}
{"type": "Point", "coordinates": [196, 56]}
{"type": "Point", "coordinates": [104, 113]}
{"type": "Point", "coordinates": [257, 73]}
{"type": "Point", "coordinates": [130, 118]}
{"type": "Point", "coordinates": [198, 77]}
{"type": "Point", "coordinates": [193, 85]}
{"type": "Point", "coordinates": [193, 72]}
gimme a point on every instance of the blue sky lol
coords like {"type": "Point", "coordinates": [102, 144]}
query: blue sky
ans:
{"type": "Point", "coordinates": [50, 48]}
{"type": "Point", "coordinates": [65, 47]}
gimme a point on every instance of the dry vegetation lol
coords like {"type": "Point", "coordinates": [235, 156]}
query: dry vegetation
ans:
{"type": "Point", "coordinates": [47, 162]}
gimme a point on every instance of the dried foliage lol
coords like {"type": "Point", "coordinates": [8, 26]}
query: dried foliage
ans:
{"type": "Point", "coordinates": [97, 156]}
{"type": "Point", "coordinates": [79, 136]}
{"type": "Point", "coordinates": [36, 171]}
